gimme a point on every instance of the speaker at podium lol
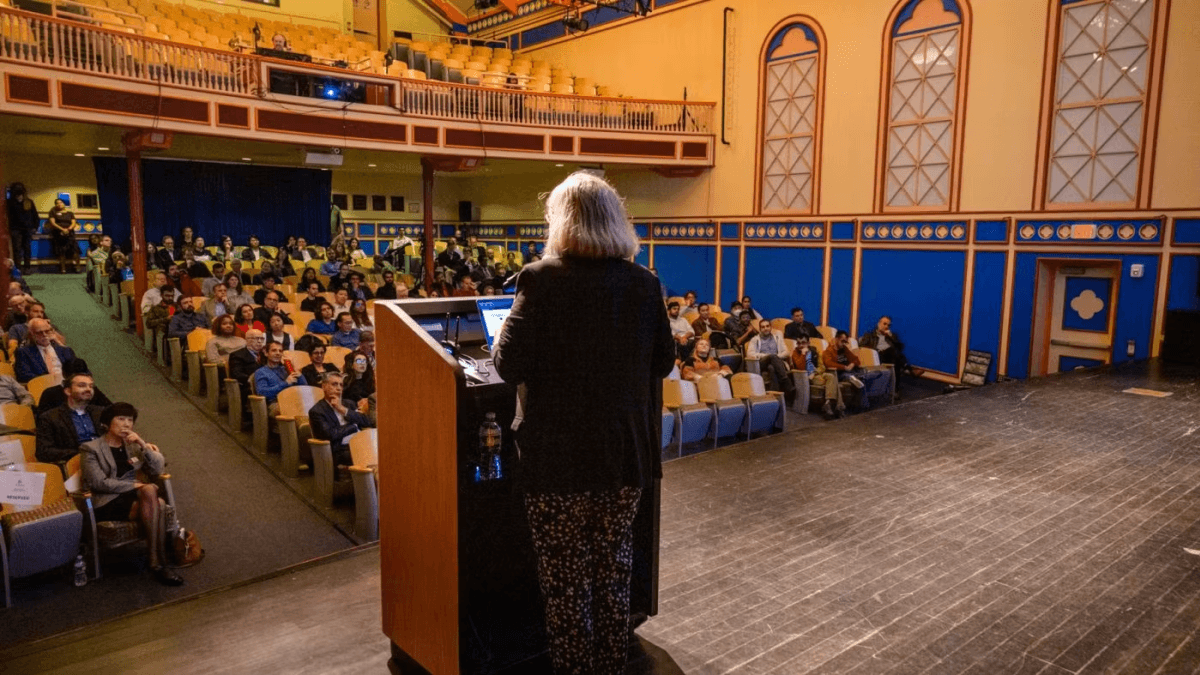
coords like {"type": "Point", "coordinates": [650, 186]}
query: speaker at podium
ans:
{"type": "Point", "coordinates": [458, 570]}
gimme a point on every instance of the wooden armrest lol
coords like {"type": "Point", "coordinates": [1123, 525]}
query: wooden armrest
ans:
{"type": "Point", "coordinates": [708, 401]}
{"type": "Point", "coordinates": [774, 393]}
{"type": "Point", "coordinates": [164, 476]}
{"type": "Point", "coordinates": [257, 397]}
{"type": "Point", "coordinates": [285, 418]}
{"type": "Point", "coordinates": [361, 469]}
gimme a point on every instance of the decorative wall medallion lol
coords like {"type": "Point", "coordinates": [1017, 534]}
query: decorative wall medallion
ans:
{"type": "Point", "coordinates": [941, 231]}
{"type": "Point", "coordinates": [818, 230]}
{"type": "Point", "coordinates": [869, 231]}
{"type": "Point", "coordinates": [911, 232]}
{"type": "Point", "coordinates": [1027, 232]}
{"type": "Point", "coordinates": [897, 231]}
{"type": "Point", "coordinates": [1064, 231]}
{"type": "Point", "coordinates": [710, 231]}
{"type": "Point", "coordinates": [795, 231]}
{"type": "Point", "coordinates": [1045, 232]}
{"type": "Point", "coordinates": [927, 231]}
{"type": "Point", "coordinates": [771, 231]}
{"type": "Point", "coordinates": [805, 231]}
{"type": "Point", "coordinates": [1148, 231]}
{"type": "Point", "coordinates": [691, 231]}
{"type": "Point", "coordinates": [957, 231]}
{"type": "Point", "coordinates": [1125, 231]}
{"type": "Point", "coordinates": [1087, 304]}
{"type": "Point", "coordinates": [762, 231]}
{"type": "Point", "coordinates": [884, 233]}
{"type": "Point", "coordinates": [1105, 231]}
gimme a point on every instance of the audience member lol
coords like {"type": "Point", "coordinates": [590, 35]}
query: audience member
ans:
{"type": "Point", "coordinates": [705, 322]}
{"type": "Point", "coordinates": [236, 295]}
{"type": "Point", "coordinates": [268, 282]}
{"type": "Point", "coordinates": [464, 286]}
{"type": "Point", "coordinates": [219, 304]}
{"type": "Point", "coordinates": [346, 335]}
{"type": "Point", "coordinates": [689, 303]}
{"type": "Point", "coordinates": [770, 351]}
{"type": "Point", "coordinates": [387, 290]}
{"type": "Point", "coordinates": [840, 358]}
{"type": "Point", "coordinates": [309, 276]}
{"type": "Point", "coordinates": [747, 307]}
{"type": "Point", "coordinates": [332, 267]}
{"type": "Point", "coordinates": [358, 289]}
{"type": "Point", "coordinates": [20, 331]}
{"type": "Point", "coordinates": [276, 333]}
{"type": "Point", "coordinates": [185, 321]}
{"type": "Point", "coordinates": [226, 252]}
{"type": "Point", "coordinates": [254, 252]}
{"type": "Point", "coordinates": [359, 382]}
{"type": "Point", "coordinates": [194, 269]}
{"type": "Point", "coordinates": [43, 356]}
{"type": "Point", "coordinates": [340, 280]}
{"type": "Point", "coordinates": [200, 252]}
{"type": "Point", "coordinates": [313, 299]}
{"type": "Point", "coordinates": [243, 362]}
{"type": "Point", "coordinates": [738, 328]}
{"type": "Point", "coordinates": [11, 391]}
{"type": "Point", "coordinates": [323, 323]}
{"type": "Point", "coordinates": [271, 308]}
{"type": "Point", "coordinates": [218, 277]}
{"type": "Point", "coordinates": [53, 397]}
{"type": "Point", "coordinates": [159, 317]}
{"type": "Point", "coordinates": [61, 430]}
{"type": "Point", "coordinates": [224, 341]}
{"type": "Point", "coordinates": [17, 306]}
{"type": "Point", "coordinates": [798, 327]}
{"type": "Point", "coordinates": [358, 312]}
{"type": "Point", "coordinates": [316, 369]}
{"type": "Point", "coordinates": [366, 345]}
{"type": "Point", "coordinates": [155, 293]}
{"type": "Point", "coordinates": [341, 301]}
{"type": "Point", "coordinates": [22, 222]}
{"type": "Point", "coordinates": [187, 240]}
{"type": "Point", "coordinates": [62, 226]}
{"type": "Point", "coordinates": [99, 255]}
{"type": "Point", "coordinates": [303, 253]}
{"type": "Point", "coordinates": [165, 256]}
{"type": "Point", "coordinates": [806, 359]}
{"type": "Point", "coordinates": [703, 361]}
{"type": "Point", "coordinates": [331, 420]}
{"type": "Point", "coordinates": [889, 346]}
{"type": "Point", "coordinates": [245, 321]}
{"type": "Point", "coordinates": [274, 376]}
{"type": "Point", "coordinates": [246, 276]}
{"type": "Point", "coordinates": [451, 257]}
{"type": "Point", "coordinates": [681, 331]}
{"type": "Point", "coordinates": [267, 270]}
{"type": "Point", "coordinates": [110, 470]}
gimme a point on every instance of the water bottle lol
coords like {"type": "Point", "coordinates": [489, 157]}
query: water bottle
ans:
{"type": "Point", "coordinates": [80, 571]}
{"type": "Point", "coordinates": [489, 448]}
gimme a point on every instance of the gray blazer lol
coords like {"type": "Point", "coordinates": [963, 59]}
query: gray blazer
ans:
{"type": "Point", "coordinates": [210, 308]}
{"type": "Point", "coordinates": [100, 469]}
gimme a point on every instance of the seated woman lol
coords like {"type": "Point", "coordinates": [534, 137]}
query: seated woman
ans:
{"type": "Point", "coordinates": [226, 251]}
{"type": "Point", "coordinates": [200, 251]}
{"type": "Point", "coordinates": [315, 370]}
{"type": "Point", "coordinates": [323, 323]}
{"type": "Point", "coordinates": [234, 293]}
{"type": "Point", "coordinates": [244, 320]}
{"type": "Point", "coordinates": [275, 333]}
{"type": "Point", "coordinates": [354, 249]}
{"type": "Point", "coordinates": [309, 276]}
{"type": "Point", "coordinates": [110, 470]}
{"type": "Point", "coordinates": [267, 269]}
{"type": "Point", "coordinates": [701, 362]}
{"type": "Point", "coordinates": [225, 341]}
{"type": "Point", "coordinates": [360, 379]}
{"type": "Point", "coordinates": [358, 312]}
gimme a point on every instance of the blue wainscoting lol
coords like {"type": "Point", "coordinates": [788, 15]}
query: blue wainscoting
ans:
{"type": "Point", "coordinates": [1184, 292]}
{"type": "Point", "coordinates": [923, 293]}
{"type": "Point", "coordinates": [841, 288]}
{"type": "Point", "coordinates": [987, 306]}
{"type": "Point", "coordinates": [778, 279]}
{"type": "Point", "coordinates": [731, 275]}
{"type": "Point", "coordinates": [643, 256]}
{"type": "Point", "coordinates": [686, 267]}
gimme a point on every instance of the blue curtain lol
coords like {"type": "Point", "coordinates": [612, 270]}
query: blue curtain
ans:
{"type": "Point", "coordinates": [216, 199]}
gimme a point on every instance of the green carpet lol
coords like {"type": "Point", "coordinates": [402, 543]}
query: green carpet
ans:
{"type": "Point", "coordinates": [249, 523]}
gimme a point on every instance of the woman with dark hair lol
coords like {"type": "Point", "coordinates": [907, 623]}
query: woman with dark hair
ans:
{"type": "Point", "coordinates": [354, 250]}
{"type": "Point", "coordinates": [236, 295]}
{"type": "Point", "coordinates": [225, 251]}
{"type": "Point", "coordinates": [111, 467]}
{"type": "Point", "coordinates": [62, 225]}
{"type": "Point", "coordinates": [316, 369]}
{"type": "Point", "coordinates": [360, 379]}
{"type": "Point", "coordinates": [254, 251]}
{"type": "Point", "coordinates": [200, 251]}
{"type": "Point", "coordinates": [588, 447]}
{"type": "Point", "coordinates": [289, 245]}
{"type": "Point", "coordinates": [283, 264]}
{"type": "Point", "coordinates": [309, 276]}
{"type": "Point", "coordinates": [244, 320]}
{"type": "Point", "coordinates": [323, 323]}
{"type": "Point", "coordinates": [358, 312]}
{"type": "Point", "coordinates": [225, 340]}
{"type": "Point", "coordinates": [276, 333]}
{"type": "Point", "coordinates": [187, 240]}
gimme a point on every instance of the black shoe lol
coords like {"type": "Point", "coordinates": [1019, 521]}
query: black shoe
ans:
{"type": "Point", "coordinates": [167, 576]}
{"type": "Point", "coordinates": [827, 410]}
{"type": "Point", "coordinates": [841, 413]}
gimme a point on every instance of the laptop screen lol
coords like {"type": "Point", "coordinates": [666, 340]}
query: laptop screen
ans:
{"type": "Point", "coordinates": [494, 310]}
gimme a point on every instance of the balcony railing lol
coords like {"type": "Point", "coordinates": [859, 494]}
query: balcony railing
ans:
{"type": "Point", "coordinates": [76, 45]}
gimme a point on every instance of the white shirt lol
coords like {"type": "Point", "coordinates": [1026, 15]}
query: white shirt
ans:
{"type": "Point", "coordinates": [681, 326]}
{"type": "Point", "coordinates": [53, 365]}
{"type": "Point", "coordinates": [153, 297]}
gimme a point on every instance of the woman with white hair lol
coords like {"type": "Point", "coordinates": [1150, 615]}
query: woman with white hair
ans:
{"type": "Point", "coordinates": [589, 446]}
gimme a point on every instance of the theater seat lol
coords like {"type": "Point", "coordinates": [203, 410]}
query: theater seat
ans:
{"type": "Point", "coordinates": [364, 451]}
{"type": "Point", "coordinates": [764, 409]}
{"type": "Point", "coordinates": [326, 485]}
{"type": "Point", "coordinates": [729, 412]}
{"type": "Point", "coordinates": [42, 538]}
{"type": "Point", "coordinates": [196, 349]}
{"type": "Point", "coordinates": [110, 535]}
{"type": "Point", "coordinates": [294, 432]}
{"type": "Point", "coordinates": [668, 427]}
{"type": "Point", "coordinates": [693, 418]}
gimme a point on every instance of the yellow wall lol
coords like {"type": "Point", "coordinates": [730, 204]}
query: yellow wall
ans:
{"type": "Point", "coordinates": [328, 13]}
{"type": "Point", "coordinates": [445, 206]}
{"type": "Point", "coordinates": [45, 176]}
{"type": "Point", "coordinates": [659, 56]}
{"type": "Point", "coordinates": [413, 17]}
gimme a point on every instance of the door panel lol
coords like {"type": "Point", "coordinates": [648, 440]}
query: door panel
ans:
{"type": "Point", "coordinates": [1081, 323]}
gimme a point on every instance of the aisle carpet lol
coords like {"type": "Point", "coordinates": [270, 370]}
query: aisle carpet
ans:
{"type": "Point", "coordinates": [250, 523]}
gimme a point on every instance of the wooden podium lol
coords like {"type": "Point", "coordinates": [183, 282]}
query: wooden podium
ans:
{"type": "Point", "coordinates": [457, 568]}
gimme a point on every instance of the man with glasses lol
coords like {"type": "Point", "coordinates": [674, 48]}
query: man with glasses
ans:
{"type": "Point", "coordinates": [43, 356]}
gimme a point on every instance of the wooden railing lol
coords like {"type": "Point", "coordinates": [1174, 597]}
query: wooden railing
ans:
{"type": "Point", "coordinates": [41, 40]}
{"type": "Point", "coordinates": [75, 45]}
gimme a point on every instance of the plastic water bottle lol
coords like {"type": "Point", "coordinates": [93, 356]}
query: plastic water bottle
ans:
{"type": "Point", "coordinates": [80, 571]}
{"type": "Point", "coordinates": [489, 448]}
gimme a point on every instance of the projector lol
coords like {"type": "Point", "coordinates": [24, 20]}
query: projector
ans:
{"type": "Point", "coordinates": [332, 157]}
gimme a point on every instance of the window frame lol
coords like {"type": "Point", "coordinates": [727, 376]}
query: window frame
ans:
{"type": "Point", "coordinates": [787, 23]}
{"type": "Point", "coordinates": [891, 35]}
{"type": "Point", "coordinates": [1151, 103]}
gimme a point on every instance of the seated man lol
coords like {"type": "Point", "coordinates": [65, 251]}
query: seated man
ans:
{"type": "Point", "coordinates": [218, 304]}
{"type": "Point", "coordinates": [61, 430]}
{"type": "Point", "coordinates": [43, 356]}
{"type": "Point", "coordinates": [358, 289]}
{"type": "Point", "coordinates": [705, 323]}
{"type": "Point", "coordinates": [768, 348]}
{"type": "Point", "coordinates": [701, 362]}
{"type": "Point", "coordinates": [273, 377]}
{"type": "Point", "coordinates": [158, 317]}
{"type": "Point", "coordinates": [153, 296]}
{"type": "Point", "coordinates": [839, 358]}
{"type": "Point", "coordinates": [346, 335]}
{"type": "Point", "coordinates": [218, 276]}
{"type": "Point", "coordinates": [689, 303]}
{"type": "Point", "coordinates": [387, 290]}
{"type": "Point", "coordinates": [738, 328]}
{"type": "Point", "coordinates": [341, 301]}
{"type": "Point", "coordinates": [799, 328]}
{"type": "Point", "coordinates": [268, 286]}
{"type": "Point", "coordinates": [681, 331]}
{"type": "Point", "coordinates": [53, 397]}
{"type": "Point", "coordinates": [164, 257]}
{"type": "Point", "coordinates": [253, 252]}
{"type": "Point", "coordinates": [317, 367]}
{"type": "Point", "coordinates": [110, 466]}
{"type": "Point", "coordinates": [243, 362]}
{"type": "Point", "coordinates": [889, 346]}
{"type": "Point", "coordinates": [313, 299]}
{"type": "Point", "coordinates": [271, 307]}
{"type": "Point", "coordinates": [186, 320]}
{"type": "Point", "coordinates": [332, 421]}
{"type": "Point", "coordinates": [20, 331]}
{"type": "Point", "coordinates": [806, 359]}
{"type": "Point", "coordinates": [11, 391]}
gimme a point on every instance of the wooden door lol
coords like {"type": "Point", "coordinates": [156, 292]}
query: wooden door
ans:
{"type": "Point", "coordinates": [1083, 311]}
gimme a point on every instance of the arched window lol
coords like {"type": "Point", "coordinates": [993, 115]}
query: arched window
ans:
{"type": "Point", "coordinates": [922, 129]}
{"type": "Point", "coordinates": [1102, 82]}
{"type": "Point", "coordinates": [793, 74]}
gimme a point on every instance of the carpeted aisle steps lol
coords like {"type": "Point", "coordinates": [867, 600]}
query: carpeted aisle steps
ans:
{"type": "Point", "coordinates": [249, 523]}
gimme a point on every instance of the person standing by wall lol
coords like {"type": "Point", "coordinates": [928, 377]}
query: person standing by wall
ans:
{"type": "Point", "coordinates": [22, 223]}
{"type": "Point", "coordinates": [63, 226]}
{"type": "Point", "coordinates": [589, 447]}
